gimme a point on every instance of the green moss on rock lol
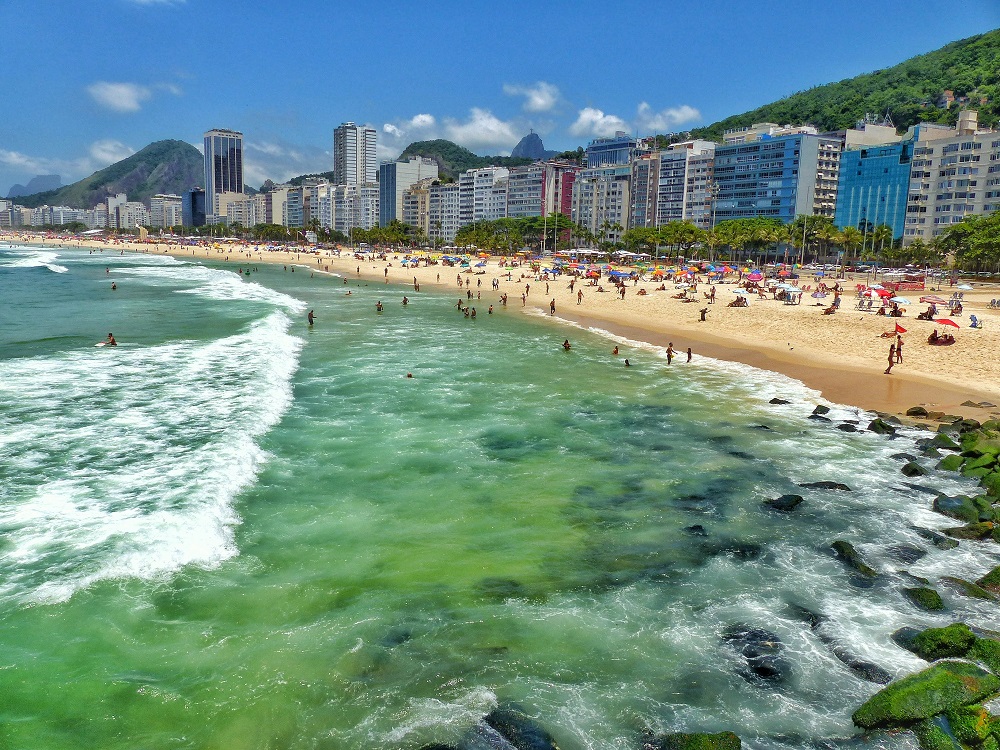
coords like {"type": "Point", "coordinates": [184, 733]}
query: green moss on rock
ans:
{"type": "Point", "coordinates": [987, 651]}
{"type": "Point", "coordinates": [991, 482]}
{"type": "Point", "coordinates": [939, 643]}
{"type": "Point", "coordinates": [935, 734]}
{"type": "Point", "coordinates": [941, 687]}
{"type": "Point", "coordinates": [951, 463]}
{"type": "Point", "coordinates": [697, 741]}
{"type": "Point", "coordinates": [967, 588]}
{"type": "Point", "coordinates": [847, 554]}
{"type": "Point", "coordinates": [969, 724]}
{"type": "Point", "coordinates": [991, 581]}
{"type": "Point", "coordinates": [970, 531]}
{"type": "Point", "coordinates": [924, 597]}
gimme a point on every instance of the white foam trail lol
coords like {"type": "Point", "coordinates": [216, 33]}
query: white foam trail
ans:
{"type": "Point", "coordinates": [213, 284]}
{"type": "Point", "coordinates": [130, 463]}
{"type": "Point", "coordinates": [35, 259]}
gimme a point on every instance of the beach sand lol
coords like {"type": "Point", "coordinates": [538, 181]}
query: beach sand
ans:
{"type": "Point", "coordinates": [841, 355]}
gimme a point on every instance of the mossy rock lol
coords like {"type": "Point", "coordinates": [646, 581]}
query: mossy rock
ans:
{"type": "Point", "coordinates": [987, 651]}
{"type": "Point", "coordinates": [940, 643]}
{"type": "Point", "coordinates": [988, 446]}
{"type": "Point", "coordinates": [943, 441]}
{"type": "Point", "coordinates": [881, 427]}
{"type": "Point", "coordinates": [850, 557]}
{"type": "Point", "coordinates": [952, 462]}
{"type": "Point", "coordinates": [991, 581]}
{"type": "Point", "coordinates": [936, 734]}
{"type": "Point", "coordinates": [913, 469]}
{"type": "Point", "coordinates": [510, 720]}
{"type": "Point", "coordinates": [968, 441]}
{"type": "Point", "coordinates": [991, 482]}
{"type": "Point", "coordinates": [925, 598]}
{"type": "Point", "coordinates": [969, 425]}
{"type": "Point", "coordinates": [967, 588]}
{"type": "Point", "coordinates": [959, 507]}
{"type": "Point", "coordinates": [970, 724]}
{"type": "Point", "coordinates": [970, 531]}
{"type": "Point", "coordinates": [696, 741]}
{"type": "Point", "coordinates": [941, 687]}
{"type": "Point", "coordinates": [985, 461]}
{"type": "Point", "coordinates": [987, 511]}
{"type": "Point", "coordinates": [979, 473]}
{"type": "Point", "coordinates": [916, 411]}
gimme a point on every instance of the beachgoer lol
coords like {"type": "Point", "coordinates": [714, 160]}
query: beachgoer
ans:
{"type": "Point", "coordinates": [111, 340]}
{"type": "Point", "coordinates": [473, 313]}
{"type": "Point", "coordinates": [552, 306]}
{"type": "Point", "coordinates": [670, 352]}
{"type": "Point", "coordinates": [114, 286]}
{"type": "Point", "coordinates": [892, 358]}
{"type": "Point", "coordinates": [405, 301]}
{"type": "Point", "coordinates": [899, 349]}
{"type": "Point", "coordinates": [627, 363]}
{"type": "Point", "coordinates": [566, 345]}
{"type": "Point", "coordinates": [704, 312]}
{"type": "Point", "coordinates": [615, 351]}
{"type": "Point", "coordinates": [378, 306]}
{"type": "Point", "coordinates": [579, 296]}
{"type": "Point", "coordinates": [311, 317]}
{"type": "Point", "coordinates": [490, 311]}
{"type": "Point", "coordinates": [689, 353]}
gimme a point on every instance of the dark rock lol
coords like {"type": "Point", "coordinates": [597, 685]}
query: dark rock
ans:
{"type": "Point", "coordinates": [847, 427]}
{"type": "Point", "coordinates": [522, 731]}
{"type": "Point", "coordinates": [925, 598]}
{"type": "Point", "coordinates": [693, 741]}
{"type": "Point", "coordinates": [921, 488]}
{"type": "Point", "coordinates": [396, 637]}
{"type": "Point", "coordinates": [881, 427]}
{"type": "Point", "coordinates": [778, 401]}
{"type": "Point", "coordinates": [820, 409]}
{"type": "Point", "coordinates": [820, 418]}
{"type": "Point", "coordinates": [938, 540]}
{"type": "Point", "coordinates": [941, 687]}
{"type": "Point", "coordinates": [903, 457]}
{"type": "Point", "coordinates": [735, 548]}
{"type": "Point", "coordinates": [908, 577]}
{"type": "Point", "coordinates": [970, 403]}
{"type": "Point", "coordinates": [438, 746]}
{"type": "Point", "coordinates": [761, 650]}
{"type": "Point", "coordinates": [906, 553]}
{"type": "Point", "coordinates": [696, 530]}
{"type": "Point", "coordinates": [812, 619]}
{"type": "Point", "coordinates": [931, 453]}
{"type": "Point", "coordinates": [741, 454]}
{"type": "Point", "coordinates": [866, 670]}
{"type": "Point", "coordinates": [968, 425]}
{"type": "Point", "coordinates": [906, 638]}
{"type": "Point", "coordinates": [759, 427]}
{"type": "Point", "coordinates": [850, 557]}
{"type": "Point", "coordinates": [938, 415]}
{"type": "Point", "coordinates": [484, 737]}
{"type": "Point", "coordinates": [916, 411]}
{"type": "Point", "coordinates": [967, 588]}
{"type": "Point", "coordinates": [913, 469]}
{"type": "Point", "coordinates": [944, 442]}
{"type": "Point", "coordinates": [785, 503]}
{"type": "Point", "coordinates": [826, 485]}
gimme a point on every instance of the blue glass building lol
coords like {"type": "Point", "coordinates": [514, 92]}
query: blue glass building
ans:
{"type": "Point", "coordinates": [603, 152]}
{"type": "Point", "coordinates": [873, 187]}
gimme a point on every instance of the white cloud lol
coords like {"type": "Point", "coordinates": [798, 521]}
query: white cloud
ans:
{"type": "Point", "coordinates": [541, 97]}
{"type": "Point", "coordinates": [666, 120]}
{"type": "Point", "coordinates": [278, 161]}
{"type": "Point", "coordinates": [483, 130]}
{"type": "Point", "coordinates": [100, 154]}
{"type": "Point", "coordinates": [595, 123]}
{"type": "Point", "coordinates": [120, 97]}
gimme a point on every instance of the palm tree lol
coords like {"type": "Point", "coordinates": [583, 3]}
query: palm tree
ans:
{"type": "Point", "coordinates": [850, 239]}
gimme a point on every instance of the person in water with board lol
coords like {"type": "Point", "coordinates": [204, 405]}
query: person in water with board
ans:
{"type": "Point", "coordinates": [111, 340]}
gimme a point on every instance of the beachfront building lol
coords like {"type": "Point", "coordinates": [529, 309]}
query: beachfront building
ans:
{"type": "Point", "coordinates": [9, 214]}
{"type": "Point", "coordinates": [248, 212]}
{"type": "Point", "coordinates": [223, 168]}
{"type": "Point", "coordinates": [760, 130]}
{"type": "Point", "coordinates": [643, 190]}
{"type": "Point", "coordinates": [873, 187]}
{"type": "Point", "coordinates": [601, 201]}
{"type": "Point", "coordinates": [776, 177]}
{"type": "Point", "coordinates": [193, 208]}
{"type": "Point", "coordinates": [604, 152]}
{"type": "Point", "coordinates": [416, 205]}
{"type": "Point", "coordinates": [394, 178]}
{"type": "Point", "coordinates": [545, 187]}
{"type": "Point", "coordinates": [165, 211]}
{"type": "Point", "coordinates": [683, 183]}
{"type": "Point", "coordinates": [354, 154]}
{"type": "Point", "coordinates": [482, 194]}
{"type": "Point", "coordinates": [443, 212]}
{"type": "Point", "coordinates": [955, 173]}
{"type": "Point", "coordinates": [344, 207]}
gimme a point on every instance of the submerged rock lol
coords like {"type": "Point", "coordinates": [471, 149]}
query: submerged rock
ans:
{"type": "Point", "coordinates": [761, 650]}
{"type": "Point", "coordinates": [941, 687]}
{"type": "Point", "coordinates": [881, 427]}
{"type": "Point", "coordinates": [970, 531]}
{"type": "Point", "coordinates": [820, 409]}
{"type": "Point", "coordinates": [826, 485]}
{"type": "Point", "coordinates": [866, 670]}
{"type": "Point", "coordinates": [913, 469]}
{"type": "Point", "coordinates": [967, 588]}
{"type": "Point", "coordinates": [484, 737]}
{"type": "Point", "coordinates": [847, 427]}
{"type": "Point", "coordinates": [906, 553]}
{"type": "Point", "coordinates": [522, 731]}
{"type": "Point", "coordinates": [903, 457]}
{"type": "Point", "coordinates": [925, 598]}
{"type": "Point", "coordinates": [938, 540]}
{"type": "Point", "coordinates": [850, 557]}
{"type": "Point", "coordinates": [785, 503]}
{"type": "Point", "coordinates": [778, 401]}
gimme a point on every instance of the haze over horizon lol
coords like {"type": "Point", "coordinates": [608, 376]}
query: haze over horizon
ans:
{"type": "Point", "coordinates": [126, 73]}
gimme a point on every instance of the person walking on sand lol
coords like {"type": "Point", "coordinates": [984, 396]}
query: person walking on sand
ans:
{"type": "Point", "coordinates": [892, 358]}
{"type": "Point", "coordinates": [899, 349]}
{"type": "Point", "coordinates": [579, 296]}
{"type": "Point", "coordinates": [670, 352]}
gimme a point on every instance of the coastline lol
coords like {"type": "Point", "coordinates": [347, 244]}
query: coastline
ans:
{"type": "Point", "coordinates": [841, 356]}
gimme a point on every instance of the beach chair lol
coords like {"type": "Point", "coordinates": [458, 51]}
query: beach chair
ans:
{"type": "Point", "coordinates": [975, 322]}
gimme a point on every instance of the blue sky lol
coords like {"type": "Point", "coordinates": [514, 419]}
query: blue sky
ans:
{"type": "Point", "coordinates": [87, 83]}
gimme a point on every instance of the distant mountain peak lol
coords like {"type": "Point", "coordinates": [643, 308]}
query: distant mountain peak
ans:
{"type": "Point", "coordinates": [37, 184]}
{"type": "Point", "coordinates": [531, 147]}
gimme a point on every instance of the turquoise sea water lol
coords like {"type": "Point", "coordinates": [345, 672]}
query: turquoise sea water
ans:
{"type": "Point", "coordinates": [236, 531]}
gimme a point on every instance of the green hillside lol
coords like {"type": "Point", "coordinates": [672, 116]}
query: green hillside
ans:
{"type": "Point", "coordinates": [453, 159]}
{"type": "Point", "coordinates": [161, 167]}
{"type": "Point", "coordinates": [909, 92]}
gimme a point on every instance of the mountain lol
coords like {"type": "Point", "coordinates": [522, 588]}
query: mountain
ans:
{"type": "Point", "coordinates": [36, 184]}
{"type": "Point", "coordinates": [531, 147]}
{"type": "Point", "coordinates": [161, 167]}
{"type": "Point", "coordinates": [911, 92]}
{"type": "Point", "coordinates": [453, 159]}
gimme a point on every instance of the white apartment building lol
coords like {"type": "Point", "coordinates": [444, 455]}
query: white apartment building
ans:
{"type": "Point", "coordinates": [482, 194]}
{"type": "Point", "coordinates": [165, 210]}
{"type": "Point", "coordinates": [394, 178]}
{"type": "Point", "coordinates": [601, 201]}
{"type": "Point", "coordinates": [763, 130]}
{"type": "Point", "coordinates": [443, 212]}
{"type": "Point", "coordinates": [354, 154]}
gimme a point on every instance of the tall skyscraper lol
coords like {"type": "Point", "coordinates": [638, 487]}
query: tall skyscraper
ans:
{"type": "Point", "coordinates": [354, 155]}
{"type": "Point", "coordinates": [223, 166]}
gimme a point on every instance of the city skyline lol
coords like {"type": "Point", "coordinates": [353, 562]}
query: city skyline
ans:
{"type": "Point", "coordinates": [128, 73]}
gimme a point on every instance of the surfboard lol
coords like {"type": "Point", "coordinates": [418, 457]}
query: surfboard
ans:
{"type": "Point", "coordinates": [100, 343]}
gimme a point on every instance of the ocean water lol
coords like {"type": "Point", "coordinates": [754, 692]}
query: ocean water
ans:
{"type": "Point", "coordinates": [236, 531]}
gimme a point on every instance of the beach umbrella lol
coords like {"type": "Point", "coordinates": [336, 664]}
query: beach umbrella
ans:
{"type": "Point", "coordinates": [965, 287]}
{"type": "Point", "coordinates": [883, 292]}
{"type": "Point", "coordinates": [755, 276]}
{"type": "Point", "coordinates": [947, 322]}
{"type": "Point", "coordinates": [820, 273]}
{"type": "Point", "coordinates": [900, 300]}
{"type": "Point", "coordinates": [818, 295]}
{"type": "Point", "coordinates": [933, 299]}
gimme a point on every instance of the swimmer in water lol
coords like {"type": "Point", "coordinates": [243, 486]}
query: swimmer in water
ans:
{"type": "Point", "coordinates": [378, 306]}
{"type": "Point", "coordinates": [311, 317]}
{"type": "Point", "coordinates": [111, 340]}
{"type": "Point", "coordinates": [566, 345]}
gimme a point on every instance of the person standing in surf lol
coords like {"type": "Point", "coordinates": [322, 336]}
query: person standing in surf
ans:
{"type": "Point", "coordinates": [311, 317]}
{"type": "Point", "coordinates": [111, 340]}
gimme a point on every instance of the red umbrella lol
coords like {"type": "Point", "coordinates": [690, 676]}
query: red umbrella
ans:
{"type": "Point", "coordinates": [900, 329]}
{"type": "Point", "coordinates": [947, 322]}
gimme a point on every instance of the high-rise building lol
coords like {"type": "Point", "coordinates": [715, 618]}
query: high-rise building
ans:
{"type": "Point", "coordinates": [601, 201]}
{"type": "Point", "coordinates": [165, 211]}
{"type": "Point", "coordinates": [482, 194]}
{"type": "Point", "coordinates": [193, 208]}
{"type": "Point", "coordinates": [443, 212]}
{"type": "Point", "coordinates": [873, 187]}
{"type": "Point", "coordinates": [354, 154]}
{"type": "Point", "coordinates": [604, 152]}
{"type": "Point", "coordinates": [223, 167]}
{"type": "Point", "coordinates": [394, 178]}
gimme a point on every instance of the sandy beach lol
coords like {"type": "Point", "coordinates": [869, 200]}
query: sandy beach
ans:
{"type": "Point", "coordinates": [841, 355]}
